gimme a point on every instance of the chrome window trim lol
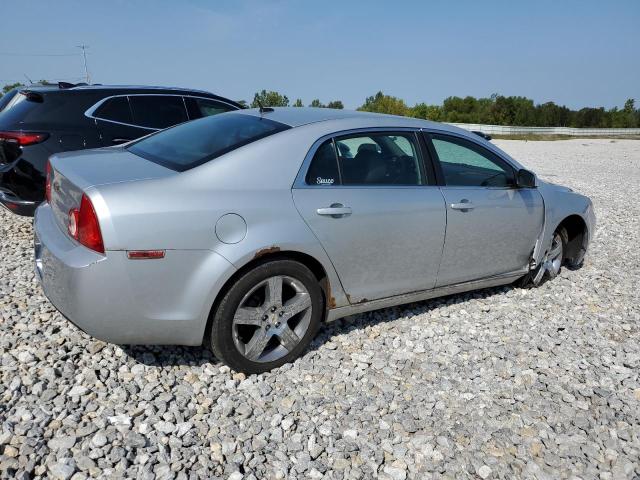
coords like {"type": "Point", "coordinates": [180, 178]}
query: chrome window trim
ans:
{"type": "Point", "coordinates": [89, 113]}
{"type": "Point", "coordinates": [515, 168]}
{"type": "Point", "coordinates": [472, 140]}
{"type": "Point", "coordinates": [300, 182]}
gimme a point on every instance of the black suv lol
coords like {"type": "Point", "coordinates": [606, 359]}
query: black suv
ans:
{"type": "Point", "coordinates": [37, 122]}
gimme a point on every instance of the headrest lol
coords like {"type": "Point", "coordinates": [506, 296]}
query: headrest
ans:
{"type": "Point", "coordinates": [368, 147]}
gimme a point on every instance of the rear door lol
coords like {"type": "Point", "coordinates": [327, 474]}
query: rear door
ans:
{"type": "Point", "coordinates": [158, 111]}
{"type": "Point", "coordinates": [492, 226]}
{"type": "Point", "coordinates": [123, 118]}
{"type": "Point", "coordinates": [115, 121]}
{"type": "Point", "coordinates": [375, 210]}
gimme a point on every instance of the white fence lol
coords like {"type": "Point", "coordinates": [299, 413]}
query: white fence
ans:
{"type": "Point", "coordinates": [574, 132]}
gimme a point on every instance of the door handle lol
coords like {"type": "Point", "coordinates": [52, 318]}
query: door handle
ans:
{"type": "Point", "coordinates": [336, 210]}
{"type": "Point", "coordinates": [119, 141]}
{"type": "Point", "coordinates": [463, 205]}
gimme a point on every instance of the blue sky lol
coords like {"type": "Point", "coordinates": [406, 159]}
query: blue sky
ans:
{"type": "Point", "coordinates": [578, 53]}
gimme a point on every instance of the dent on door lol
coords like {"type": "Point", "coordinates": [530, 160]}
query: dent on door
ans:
{"type": "Point", "coordinates": [489, 231]}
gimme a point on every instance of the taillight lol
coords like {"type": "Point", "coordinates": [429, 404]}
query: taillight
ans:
{"type": "Point", "coordinates": [84, 226]}
{"type": "Point", "coordinates": [47, 187]}
{"type": "Point", "coordinates": [24, 138]}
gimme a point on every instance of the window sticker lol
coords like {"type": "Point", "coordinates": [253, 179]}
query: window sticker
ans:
{"type": "Point", "coordinates": [324, 181]}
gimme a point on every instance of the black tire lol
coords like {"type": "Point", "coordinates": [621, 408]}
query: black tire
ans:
{"type": "Point", "coordinates": [527, 280]}
{"type": "Point", "coordinates": [221, 331]}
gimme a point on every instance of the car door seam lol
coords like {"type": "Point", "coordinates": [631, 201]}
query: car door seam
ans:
{"type": "Point", "coordinates": [295, 205]}
{"type": "Point", "coordinates": [444, 238]}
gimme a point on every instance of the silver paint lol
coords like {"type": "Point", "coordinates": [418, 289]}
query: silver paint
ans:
{"type": "Point", "coordinates": [394, 245]}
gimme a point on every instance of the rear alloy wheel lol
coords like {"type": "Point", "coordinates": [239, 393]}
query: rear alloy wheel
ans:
{"type": "Point", "coordinates": [268, 317]}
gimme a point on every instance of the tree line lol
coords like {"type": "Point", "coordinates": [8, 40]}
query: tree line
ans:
{"type": "Point", "coordinates": [270, 98]}
{"type": "Point", "coordinates": [494, 110]}
{"type": "Point", "coordinates": [513, 110]}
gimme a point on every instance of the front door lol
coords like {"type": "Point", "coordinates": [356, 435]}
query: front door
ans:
{"type": "Point", "coordinates": [369, 203]}
{"type": "Point", "coordinates": [492, 226]}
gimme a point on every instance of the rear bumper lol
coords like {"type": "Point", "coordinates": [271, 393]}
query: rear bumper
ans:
{"type": "Point", "coordinates": [123, 301]}
{"type": "Point", "coordinates": [15, 205]}
{"type": "Point", "coordinates": [23, 178]}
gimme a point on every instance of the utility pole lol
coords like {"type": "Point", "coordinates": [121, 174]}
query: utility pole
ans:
{"type": "Point", "coordinates": [84, 56]}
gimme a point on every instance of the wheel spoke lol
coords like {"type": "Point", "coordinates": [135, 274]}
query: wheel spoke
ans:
{"type": "Point", "coordinates": [257, 344]}
{"type": "Point", "coordinates": [248, 316]}
{"type": "Point", "coordinates": [297, 304]}
{"type": "Point", "coordinates": [556, 251]}
{"type": "Point", "coordinates": [288, 338]}
{"type": "Point", "coordinates": [274, 291]}
{"type": "Point", "coordinates": [282, 299]}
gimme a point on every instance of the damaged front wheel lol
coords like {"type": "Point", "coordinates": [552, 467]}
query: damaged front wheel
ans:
{"type": "Point", "coordinates": [551, 263]}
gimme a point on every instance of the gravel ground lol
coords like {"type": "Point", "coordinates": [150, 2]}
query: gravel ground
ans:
{"type": "Point", "coordinates": [501, 383]}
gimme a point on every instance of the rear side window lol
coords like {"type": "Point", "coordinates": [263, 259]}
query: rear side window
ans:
{"type": "Point", "coordinates": [205, 107]}
{"type": "Point", "coordinates": [371, 159]}
{"type": "Point", "coordinates": [194, 143]}
{"type": "Point", "coordinates": [157, 111]}
{"type": "Point", "coordinates": [115, 110]}
{"type": "Point", "coordinates": [379, 159]}
{"type": "Point", "coordinates": [324, 166]}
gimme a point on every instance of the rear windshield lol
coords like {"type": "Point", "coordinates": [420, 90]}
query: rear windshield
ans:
{"type": "Point", "coordinates": [193, 143]}
{"type": "Point", "coordinates": [44, 109]}
{"type": "Point", "coordinates": [6, 98]}
{"type": "Point", "coordinates": [17, 109]}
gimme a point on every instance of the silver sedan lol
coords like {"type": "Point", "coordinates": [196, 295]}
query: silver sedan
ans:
{"type": "Point", "coordinates": [247, 230]}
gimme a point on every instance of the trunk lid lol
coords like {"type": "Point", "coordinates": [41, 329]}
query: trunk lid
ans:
{"type": "Point", "coordinates": [72, 173]}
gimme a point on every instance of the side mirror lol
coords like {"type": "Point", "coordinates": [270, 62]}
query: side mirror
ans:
{"type": "Point", "coordinates": [525, 179]}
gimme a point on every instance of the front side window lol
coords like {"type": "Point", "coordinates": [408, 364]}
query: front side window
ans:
{"type": "Point", "coordinates": [466, 164]}
{"type": "Point", "coordinates": [379, 159]}
{"type": "Point", "coordinates": [157, 111]}
{"type": "Point", "coordinates": [115, 110]}
{"type": "Point", "coordinates": [193, 143]}
{"type": "Point", "coordinates": [205, 107]}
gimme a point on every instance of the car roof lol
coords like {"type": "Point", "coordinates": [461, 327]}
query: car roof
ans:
{"type": "Point", "coordinates": [123, 89]}
{"type": "Point", "coordinates": [342, 120]}
{"type": "Point", "coordinates": [299, 116]}
{"type": "Point", "coordinates": [136, 87]}
{"type": "Point", "coordinates": [58, 88]}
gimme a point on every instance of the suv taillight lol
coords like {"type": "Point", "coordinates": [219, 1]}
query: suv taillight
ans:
{"type": "Point", "coordinates": [24, 138]}
{"type": "Point", "coordinates": [47, 186]}
{"type": "Point", "coordinates": [84, 226]}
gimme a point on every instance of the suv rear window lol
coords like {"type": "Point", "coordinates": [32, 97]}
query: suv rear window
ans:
{"type": "Point", "coordinates": [193, 143]}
